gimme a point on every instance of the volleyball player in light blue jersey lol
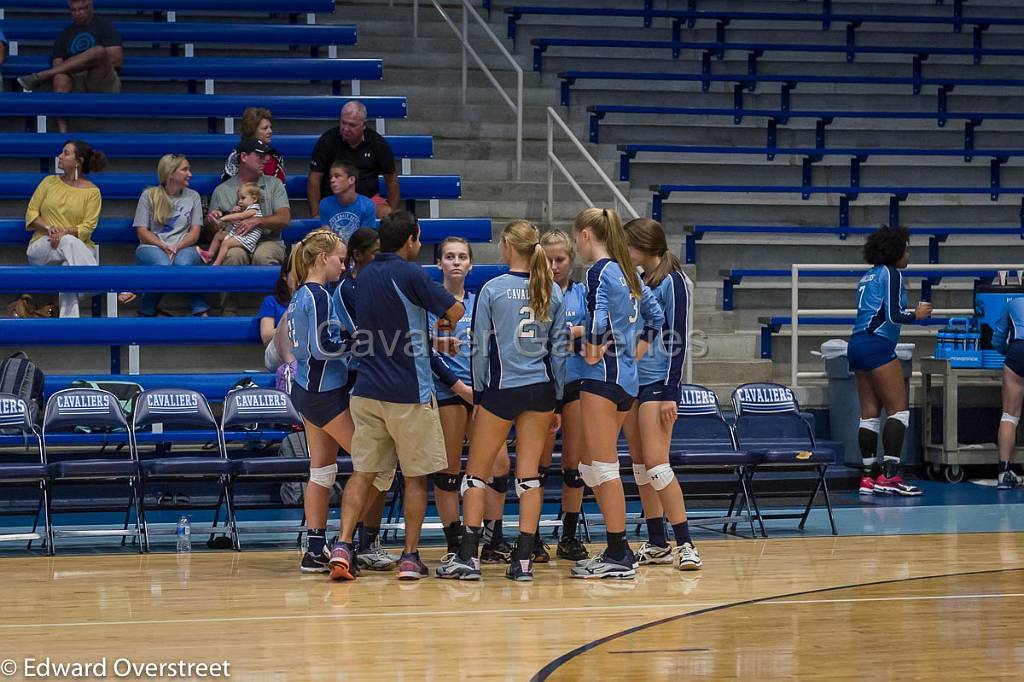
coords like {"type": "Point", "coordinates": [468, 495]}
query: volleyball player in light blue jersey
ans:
{"type": "Point", "coordinates": [881, 309]}
{"type": "Point", "coordinates": [561, 253]}
{"type": "Point", "coordinates": [622, 318]}
{"type": "Point", "coordinates": [519, 334]}
{"type": "Point", "coordinates": [649, 424]}
{"type": "Point", "coordinates": [455, 405]}
{"type": "Point", "coordinates": [1008, 338]}
{"type": "Point", "coordinates": [317, 331]}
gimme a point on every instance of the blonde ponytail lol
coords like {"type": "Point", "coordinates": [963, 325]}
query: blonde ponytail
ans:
{"type": "Point", "coordinates": [606, 226]}
{"type": "Point", "coordinates": [524, 238]}
{"type": "Point", "coordinates": [305, 253]}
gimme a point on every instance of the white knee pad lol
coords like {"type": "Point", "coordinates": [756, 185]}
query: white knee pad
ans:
{"type": "Point", "coordinates": [661, 476]}
{"type": "Point", "coordinates": [324, 476]}
{"type": "Point", "coordinates": [641, 475]}
{"type": "Point", "coordinates": [383, 480]}
{"type": "Point", "coordinates": [605, 472]}
{"type": "Point", "coordinates": [1010, 418]}
{"type": "Point", "coordinates": [588, 475]}
{"type": "Point", "coordinates": [874, 424]}
{"type": "Point", "coordinates": [903, 417]}
{"type": "Point", "coordinates": [524, 485]}
{"type": "Point", "coordinates": [470, 482]}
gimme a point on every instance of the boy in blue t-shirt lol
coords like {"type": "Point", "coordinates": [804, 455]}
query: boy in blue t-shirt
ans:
{"type": "Point", "coordinates": [346, 211]}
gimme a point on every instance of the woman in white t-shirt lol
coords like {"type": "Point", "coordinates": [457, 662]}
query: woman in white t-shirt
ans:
{"type": "Point", "coordinates": [168, 220]}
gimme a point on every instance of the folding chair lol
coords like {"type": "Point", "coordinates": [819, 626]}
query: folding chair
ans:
{"type": "Point", "coordinates": [191, 421]}
{"type": "Point", "coordinates": [704, 439]}
{"type": "Point", "coordinates": [22, 470]}
{"type": "Point", "coordinates": [253, 410]}
{"type": "Point", "coordinates": [769, 426]}
{"type": "Point", "coordinates": [99, 413]}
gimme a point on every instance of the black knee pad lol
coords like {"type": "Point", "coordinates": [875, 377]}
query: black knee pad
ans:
{"type": "Point", "coordinates": [543, 473]}
{"type": "Point", "coordinates": [500, 484]}
{"type": "Point", "coordinates": [572, 478]}
{"type": "Point", "coordinates": [447, 482]}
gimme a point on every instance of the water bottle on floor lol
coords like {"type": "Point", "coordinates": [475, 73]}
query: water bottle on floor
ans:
{"type": "Point", "coordinates": [184, 534]}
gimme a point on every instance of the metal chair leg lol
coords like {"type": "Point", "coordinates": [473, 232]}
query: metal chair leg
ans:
{"type": "Point", "coordinates": [828, 502]}
{"type": "Point", "coordinates": [35, 520]}
{"type": "Point", "coordinates": [229, 493]}
{"type": "Point", "coordinates": [810, 500]}
{"type": "Point", "coordinates": [748, 489]}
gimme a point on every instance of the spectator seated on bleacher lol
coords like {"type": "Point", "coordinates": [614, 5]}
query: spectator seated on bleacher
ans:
{"type": "Point", "coordinates": [259, 123]}
{"type": "Point", "coordinates": [345, 211]}
{"type": "Point", "coordinates": [273, 203]}
{"type": "Point", "coordinates": [62, 214]}
{"type": "Point", "coordinates": [230, 236]}
{"type": "Point", "coordinates": [168, 220]}
{"type": "Point", "coordinates": [87, 56]}
{"type": "Point", "coordinates": [271, 311]}
{"type": "Point", "coordinates": [353, 143]}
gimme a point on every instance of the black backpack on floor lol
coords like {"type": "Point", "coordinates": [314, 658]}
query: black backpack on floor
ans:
{"type": "Point", "coordinates": [20, 376]}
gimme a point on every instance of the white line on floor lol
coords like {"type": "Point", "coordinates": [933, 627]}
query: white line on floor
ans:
{"type": "Point", "coordinates": [937, 597]}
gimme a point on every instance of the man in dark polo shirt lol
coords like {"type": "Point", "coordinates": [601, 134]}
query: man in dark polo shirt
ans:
{"type": "Point", "coordinates": [393, 405]}
{"type": "Point", "coordinates": [86, 56]}
{"type": "Point", "coordinates": [355, 144]}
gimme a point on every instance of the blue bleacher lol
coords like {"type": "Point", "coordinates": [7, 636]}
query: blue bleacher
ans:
{"type": "Point", "coordinates": [131, 185]}
{"type": "Point", "coordinates": [151, 32]}
{"type": "Point", "coordinates": [936, 235]}
{"type": "Point", "coordinates": [296, 6]}
{"type": "Point", "coordinates": [195, 106]}
{"type": "Point", "coordinates": [201, 146]}
{"type": "Point", "coordinates": [121, 231]}
{"type": "Point", "coordinates": [773, 325]}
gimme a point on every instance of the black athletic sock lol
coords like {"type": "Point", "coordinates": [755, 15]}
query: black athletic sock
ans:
{"type": "Point", "coordinates": [890, 466]}
{"type": "Point", "coordinates": [357, 535]}
{"type": "Point", "coordinates": [569, 522]}
{"type": "Point", "coordinates": [1004, 466]}
{"type": "Point", "coordinates": [493, 535]}
{"type": "Point", "coordinates": [524, 547]}
{"type": "Point", "coordinates": [868, 442]}
{"type": "Point", "coordinates": [469, 548]}
{"type": "Point", "coordinates": [682, 532]}
{"type": "Point", "coordinates": [453, 535]}
{"type": "Point", "coordinates": [367, 538]}
{"type": "Point", "coordinates": [892, 440]}
{"type": "Point", "coordinates": [316, 538]}
{"type": "Point", "coordinates": [656, 532]}
{"type": "Point", "coordinates": [617, 546]}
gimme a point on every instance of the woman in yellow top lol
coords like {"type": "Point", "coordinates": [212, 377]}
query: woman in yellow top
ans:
{"type": "Point", "coordinates": [62, 214]}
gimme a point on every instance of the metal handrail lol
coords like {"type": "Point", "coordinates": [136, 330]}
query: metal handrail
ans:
{"type": "Point", "coordinates": [795, 311]}
{"type": "Point", "coordinates": [617, 200]}
{"type": "Point", "coordinates": [463, 36]}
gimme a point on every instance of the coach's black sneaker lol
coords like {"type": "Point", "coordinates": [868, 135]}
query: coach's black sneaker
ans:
{"type": "Point", "coordinates": [572, 549]}
{"type": "Point", "coordinates": [540, 552]}
{"type": "Point", "coordinates": [316, 563]}
{"type": "Point", "coordinates": [520, 570]}
{"type": "Point", "coordinates": [1007, 480]}
{"type": "Point", "coordinates": [498, 554]}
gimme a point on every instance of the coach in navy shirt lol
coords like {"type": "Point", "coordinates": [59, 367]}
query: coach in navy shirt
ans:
{"type": "Point", "coordinates": [393, 405]}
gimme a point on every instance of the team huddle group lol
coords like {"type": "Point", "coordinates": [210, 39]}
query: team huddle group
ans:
{"type": "Point", "coordinates": [532, 349]}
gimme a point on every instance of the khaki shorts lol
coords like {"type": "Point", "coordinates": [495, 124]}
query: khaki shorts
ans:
{"type": "Point", "coordinates": [388, 434]}
{"type": "Point", "coordinates": [109, 82]}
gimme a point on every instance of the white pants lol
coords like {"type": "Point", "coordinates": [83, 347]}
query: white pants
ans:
{"type": "Point", "coordinates": [70, 251]}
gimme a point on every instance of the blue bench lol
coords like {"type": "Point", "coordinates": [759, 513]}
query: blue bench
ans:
{"type": "Point", "coordinates": [775, 323]}
{"type": "Point", "coordinates": [756, 50]}
{"type": "Point", "coordinates": [214, 386]}
{"type": "Point", "coordinates": [210, 107]}
{"type": "Point", "coordinates": [724, 18]}
{"type": "Point", "coordinates": [936, 235]}
{"type": "Point", "coordinates": [121, 231]}
{"type": "Point", "coordinates": [857, 155]}
{"type": "Point", "coordinates": [190, 33]}
{"type": "Point", "coordinates": [296, 6]}
{"type": "Point", "coordinates": [929, 278]}
{"type": "Point", "coordinates": [824, 117]}
{"type": "Point", "coordinates": [131, 185]}
{"type": "Point", "coordinates": [787, 81]}
{"type": "Point", "coordinates": [118, 331]}
{"type": "Point", "coordinates": [896, 194]}
{"type": "Point", "coordinates": [210, 69]}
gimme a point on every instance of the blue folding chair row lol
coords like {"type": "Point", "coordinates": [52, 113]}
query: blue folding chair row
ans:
{"type": "Point", "coordinates": [768, 433]}
{"type": "Point", "coordinates": [160, 418]}
{"type": "Point", "coordinates": [936, 235]}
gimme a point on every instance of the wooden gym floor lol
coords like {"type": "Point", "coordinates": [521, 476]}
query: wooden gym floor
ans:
{"type": "Point", "coordinates": [928, 607]}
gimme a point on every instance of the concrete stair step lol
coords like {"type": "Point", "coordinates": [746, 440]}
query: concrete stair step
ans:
{"type": "Point", "coordinates": [734, 372]}
{"type": "Point", "coordinates": [714, 346]}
